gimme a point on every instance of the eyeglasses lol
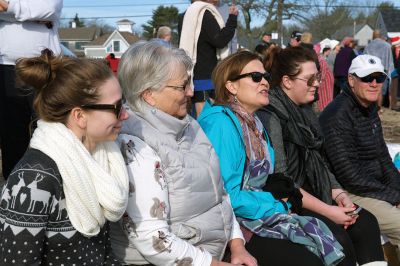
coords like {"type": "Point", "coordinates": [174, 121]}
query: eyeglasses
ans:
{"type": "Point", "coordinates": [255, 76]}
{"type": "Point", "coordinates": [180, 88]}
{"type": "Point", "coordinates": [311, 80]}
{"type": "Point", "coordinates": [379, 78]}
{"type": "Point", "coordinates": [117, 108]}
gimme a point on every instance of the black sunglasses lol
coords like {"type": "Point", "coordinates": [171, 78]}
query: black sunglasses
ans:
{"type": "Point", "coordinates": [255, 76]}
{"type": "Point", "coordinates": [117, 108]}
{"type": "Point", "coordinates": [380, 78]}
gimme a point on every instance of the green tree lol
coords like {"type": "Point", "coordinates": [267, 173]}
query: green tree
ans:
{"type": "Point", "coordinates": [371, 19]}
{"type": "Point", "coordinates": [78, 22]}
{"type": "Point", "coordinates": [162, 16]}
{"type": "Point", "coordinates": [272, 12]}
{"type": "Point", "coordinates": [326, 22]}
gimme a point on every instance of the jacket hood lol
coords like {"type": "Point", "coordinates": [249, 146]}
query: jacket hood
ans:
{"type": "Point", "coordinates": [210, 109]}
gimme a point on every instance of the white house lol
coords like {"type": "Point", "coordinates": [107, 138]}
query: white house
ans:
{"type": "Point", "coordinates": [116, 42]}
{"type": "Point", "coordinates": [75, 38]}
{"type": "Point", "coordinates": [362, 33]}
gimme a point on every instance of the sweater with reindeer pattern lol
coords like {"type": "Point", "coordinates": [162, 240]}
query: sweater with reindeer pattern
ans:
{"type": "Point", "coordinates": [34, 224]}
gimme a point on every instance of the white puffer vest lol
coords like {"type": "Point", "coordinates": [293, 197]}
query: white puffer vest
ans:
{"type": "Point", "coordinates": [199, 209]}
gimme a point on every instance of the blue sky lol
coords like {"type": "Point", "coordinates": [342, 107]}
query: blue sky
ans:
{"type": "Point", "coordinates": [139, 11]}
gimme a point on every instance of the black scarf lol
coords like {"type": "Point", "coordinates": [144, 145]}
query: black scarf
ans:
{"type": "Point", "coordinates": [303, 142]}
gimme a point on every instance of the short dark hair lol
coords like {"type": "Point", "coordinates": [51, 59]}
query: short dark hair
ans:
{"type": "Point", "coordinates": [267, 33]}
{"type": "Point", "coordinates": [326, 49]}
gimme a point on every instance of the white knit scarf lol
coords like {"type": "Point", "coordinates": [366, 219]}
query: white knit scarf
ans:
{"type": "Point", "coordinates": [191, 28]}
{"type": "Point", "coordinates": [95, 186]}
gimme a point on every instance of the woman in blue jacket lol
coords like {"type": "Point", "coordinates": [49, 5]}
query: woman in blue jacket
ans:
{"type": "Point", "coordinates": [263, 203]}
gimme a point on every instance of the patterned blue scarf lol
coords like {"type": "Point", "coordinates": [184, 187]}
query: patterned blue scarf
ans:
{"type": "Point", "coordinates": [304, 230]}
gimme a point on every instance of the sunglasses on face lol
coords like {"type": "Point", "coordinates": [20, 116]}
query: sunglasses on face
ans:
{"type": "Point", "coordinates": [116, 108]}
{"type": "Point", "coordinates": [380, 78]}
{"type": "Point", "coordinates": [255, 76]}
{"type": "Point", "coordinates": [311, 80]}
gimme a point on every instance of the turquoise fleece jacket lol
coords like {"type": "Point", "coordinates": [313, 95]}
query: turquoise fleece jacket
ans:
{"type": "Point", "coordinates": [223, 129]}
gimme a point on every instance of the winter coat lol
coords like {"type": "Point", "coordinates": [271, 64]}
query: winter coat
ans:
{"type": "Point", "coordinates": [357, 151]}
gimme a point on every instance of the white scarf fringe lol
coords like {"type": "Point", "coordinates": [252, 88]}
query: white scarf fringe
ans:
{"type": "Point", "coordinates": [95, 187]}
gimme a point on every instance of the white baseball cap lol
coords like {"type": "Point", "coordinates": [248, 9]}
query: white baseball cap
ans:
{"type": "Point", "coordinates": [366, 64]}
{"type": "Point", "coordinates": [333, 44]}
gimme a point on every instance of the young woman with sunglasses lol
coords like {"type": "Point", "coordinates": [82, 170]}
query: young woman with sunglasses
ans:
{"type": "Point", "coordinates": [72, 179]}
{"type": "Point", "coordinates": [298, 144]}
{"type": "Point", "coordinates": [264, 204]}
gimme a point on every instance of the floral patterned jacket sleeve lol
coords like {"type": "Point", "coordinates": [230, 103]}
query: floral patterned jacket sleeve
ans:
{"type": "Point", "coordinates": [145, 221]}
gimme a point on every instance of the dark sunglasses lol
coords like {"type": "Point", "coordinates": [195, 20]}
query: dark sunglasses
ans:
{"type": "Point", "coordinates": [311, 80]}
{"type": "Point", "coordinates": [117, 108]}
{"type": "Point", "coordinates": [255, 76]}
{"type": "Point", "coordinates": [380, 78]}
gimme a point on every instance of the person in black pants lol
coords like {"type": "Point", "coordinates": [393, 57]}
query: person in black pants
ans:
{"type": "Point", "coordinates": [296, 137]}
{"type": "Point", "coordinates": [214, 35]}
{"type": "Point", "coordinates": [21, 21]}
{"type": "Point", "coordinates": [15, 116]}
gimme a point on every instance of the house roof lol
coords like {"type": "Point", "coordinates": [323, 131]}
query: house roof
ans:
{"type": "Point", "coordinates": [347, 31]}
{"type": "Point", "coordinates": [130, 38]}
{"type": "Point", "coordinates": [125, 21]}
{"type": "Point", "coordinates": [79, 34]}
{"type": "Point", "coordinates": [391, 18]}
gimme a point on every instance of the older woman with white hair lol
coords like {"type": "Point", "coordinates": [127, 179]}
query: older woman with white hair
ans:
{"type": "Point", "coordinates": [178, 212]}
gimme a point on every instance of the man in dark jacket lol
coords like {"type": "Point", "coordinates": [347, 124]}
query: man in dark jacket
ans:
{"type": "Point", "coordinates": [356, 149]}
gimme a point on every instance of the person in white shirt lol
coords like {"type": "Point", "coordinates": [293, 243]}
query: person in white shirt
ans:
{"type": "Point", "coordinates": [26, 28]}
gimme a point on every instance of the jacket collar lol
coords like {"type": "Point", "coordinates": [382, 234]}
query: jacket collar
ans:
{"type": "Point", "coordinates": [211, 108]}
{"type": "Point", "coordinates": [161, 121]}
{"type": "Point", "coordinates": [372, 108]}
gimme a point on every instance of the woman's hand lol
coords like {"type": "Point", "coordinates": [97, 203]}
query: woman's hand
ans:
{"type": "Point", "coordinates": [233, 10]}
{"type": "Point", "coordinates": [239, 254]}
{"type": "Point", "coordinates": [341, 198]}
{"type": "Point", "coordinates": [339, 216]}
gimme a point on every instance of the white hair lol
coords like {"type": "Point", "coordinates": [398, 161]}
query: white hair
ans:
{"type": "Point", "coordinates": [148, 65]}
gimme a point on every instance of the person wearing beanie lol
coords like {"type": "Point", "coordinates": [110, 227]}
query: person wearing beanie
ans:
{"type": "Point", "coordinates": [295, 38]}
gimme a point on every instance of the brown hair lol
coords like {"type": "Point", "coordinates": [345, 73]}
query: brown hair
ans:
{"type": "Point", "coordinates": [61, 83]}
{"type": "Point", "coordinates": [286, 62]}
{"type": "Point", "coordinates": [227, 70]}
